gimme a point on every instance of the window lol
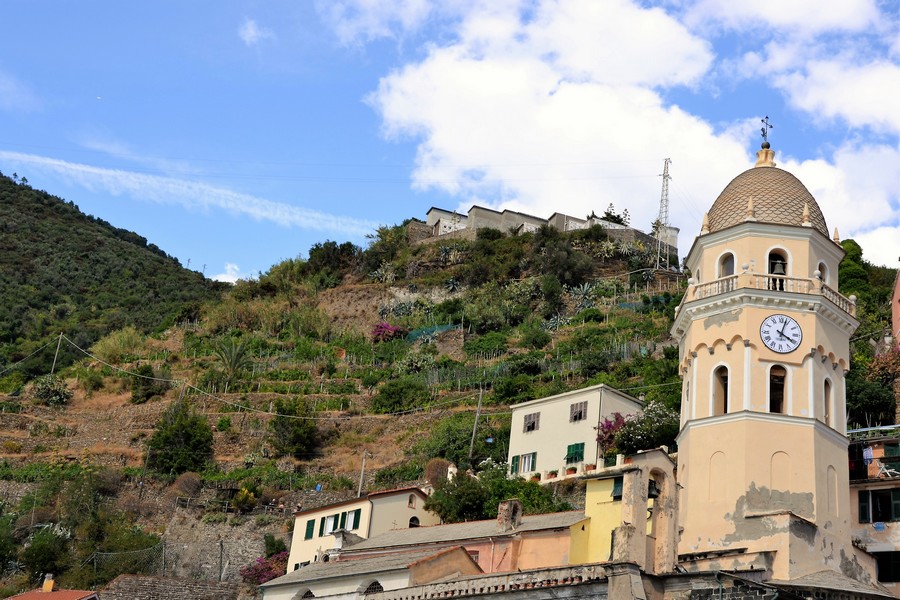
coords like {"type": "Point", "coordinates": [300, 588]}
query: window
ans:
{"type": "Point", "coordinates": [355, 518]}
{"type": "Point", "coordinates": [514, 465]}
{"type": "Point", "coordinates": [344, 520]}
{"type": "Point", "coordinates": [414, 521]}
{"type": "Point", "coordinates": [308, 594]}
{"type": "Point", "coordinates": [528, 462]}
{"type": "Point", "coordinates": [578, 412]}
{"type": "Point", "coordinates": [373, 588]}
{"type": "Point", "coordinates": [532, 422]}
{"type": "Point", "coordinates": [720, 391]}
{"type": "Point", "coordinates": [617, 488]}
{"type": "Point", "coordinates": [575, 453]}
{"type": "Point", "coordinates": [726, 265]}
{"type": "Point", "coordinates": [777, 270]}
{"type": "Point", "coordinates": [826, 399]}
{"type": "Point", "coordinates": [310, 529]}
{"type": "Point", "coordinates": [328, 524]}
{"type": "Point", "coordinates": [411, 502]}
{"type": "Point", "coordinates": [888, 566]}
{"type": "Point", "coordinates": [879, 505]}
{"type": "Point", "coordinates": [473, 554]}
{"type": "Point", "coordinates": [777, 375]}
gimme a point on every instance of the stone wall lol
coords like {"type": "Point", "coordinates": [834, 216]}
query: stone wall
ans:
{"type": "Point", "coordinates": [145, 587]}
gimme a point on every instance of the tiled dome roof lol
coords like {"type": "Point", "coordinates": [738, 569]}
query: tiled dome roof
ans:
{"type": "Point", "coordinates": [778, 197]}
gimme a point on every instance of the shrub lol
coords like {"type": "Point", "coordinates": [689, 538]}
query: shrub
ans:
{"type": "Point", "coordinates": [494, 342]}
{"type": "Point", "coordinates": [188, 484]}
{"type": "Point", "coordinates": [510, 390]}
{"type": "Point", "coordinates": [273, 545]}
{"type": "Point", "coordinates": [183, 441]}
{"type": "Point", "coordinates": [51, 390]}
{"type": "Point", "coordinates": [397, 474]}
{"type": "Point", "coordinates": [292, 430]}
{"type": "Point", "coordinates": [265, 569]}
{"type": "Point", "coordinates": [224, 424]}
{"type": "Point", "coordinates": [147, 383]}
{"type": "Point", "coordinates": [384, 332]}
{"type": "Point", "coordinates": [244, 500]}
{"type": "Point", "coordinates": [535, 338]}
{"type": "Point", "coordinates": [656, 426]}
{"type": "Point", "coordinates": [436, 470]}
{"type": "Point", "coordinates": [400, 394]}
{"type": "Point", "coordinates": [117, 346]}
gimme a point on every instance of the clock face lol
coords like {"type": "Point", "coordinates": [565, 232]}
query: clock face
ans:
{"type": "Point", "coordinates": [781, 333]}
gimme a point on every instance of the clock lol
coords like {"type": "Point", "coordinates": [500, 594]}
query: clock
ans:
{"type": "Point", "coordinates": [781, 333]}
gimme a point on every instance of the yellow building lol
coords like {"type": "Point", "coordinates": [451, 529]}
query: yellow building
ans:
{"type": "Point", "coordinates": [764, 347]}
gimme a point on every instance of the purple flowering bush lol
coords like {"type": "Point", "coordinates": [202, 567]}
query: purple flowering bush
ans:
{"type": "Point", "coordinates": [265, 569]}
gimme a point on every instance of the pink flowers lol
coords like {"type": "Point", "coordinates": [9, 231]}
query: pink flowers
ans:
{"type": "Point", "coordinates": [265, 569]}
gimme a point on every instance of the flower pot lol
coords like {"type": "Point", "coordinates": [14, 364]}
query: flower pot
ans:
{"type": "Point", "coordinates": [571, 470]}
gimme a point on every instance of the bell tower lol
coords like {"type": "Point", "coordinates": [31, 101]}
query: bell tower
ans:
{"type": "Point", "coordinates": [764, 347]}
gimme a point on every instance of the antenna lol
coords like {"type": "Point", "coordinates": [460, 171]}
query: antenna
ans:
{"type": "Point", "coordinates": [662, 221]}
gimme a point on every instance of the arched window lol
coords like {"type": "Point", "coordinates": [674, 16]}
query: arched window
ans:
{"type": "Point", "coordinates": [414, 521]}
{"type": "Point", "coordinates": [823, 273]}
{"type": "Point", "coordinates": [720, 391]}
{"type": "Point", "coordinates": [373, 588]}
{"type": "Point", "coordinates": [778, 269]}
{"type": "Point", "coordinates": [726, 265]}
{"type": "Point", "coordinates": [826, 403]}
{"type": "Point", "coordinates": [308, 594]}
{"type": "Point", "coordinates": [777, 376]}
{"type": "Point", "coordinates": [411, 503]}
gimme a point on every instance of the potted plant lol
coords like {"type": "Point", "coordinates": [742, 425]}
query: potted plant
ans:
{"type": "Point", "coordinates": [536, 477]}
{"type": "Point", "coordinates": [590, 467]}
{"type": "Point", "coordinates": [552, 474]}
{"type": "Point", "coordinates": [571, 470]}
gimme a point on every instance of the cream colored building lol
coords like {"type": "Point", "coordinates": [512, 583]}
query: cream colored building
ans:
{"type": "Point", "coordinates": [378, 512]}
{"type": "Point", "coordinates": [764, 347]}
{"type": "Point", "coordinates": [558, 433]}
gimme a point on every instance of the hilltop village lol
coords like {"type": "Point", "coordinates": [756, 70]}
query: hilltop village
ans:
{"type": "Point", "coordinates": [744, 472]}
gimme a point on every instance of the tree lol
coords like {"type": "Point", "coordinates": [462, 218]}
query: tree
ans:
{"type": "Point", "coordinates": [233, 358]}
{"type": "Point", "coordinates": [292, 430]}
{"type": "Point", "coordinates": [182, 442]}
{"type": "Point", "coordinates": [656, 426]}
{"type": "Point", "coordinates": [46, 552]}
{"type": "Point", "coordinates": [400, 394]}
{"type": "Point", "coordinates": [467, 498]}
{"type": "Point", "coordinates": [451, 437]}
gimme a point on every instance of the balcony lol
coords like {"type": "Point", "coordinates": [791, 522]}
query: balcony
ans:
{"type": "Point", "coordinates": [772, 283]}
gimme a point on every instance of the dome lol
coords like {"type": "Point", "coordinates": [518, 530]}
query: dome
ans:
{"type": "Point", "coordinates": [778, 197]}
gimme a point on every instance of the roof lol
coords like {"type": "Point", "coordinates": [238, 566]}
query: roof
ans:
{"type": "Point", "coordinates": [341, 568]}
{"type": "Point", "coordinates": [599, 387]}
{"type": "Point", "coordinates": [56, 595]}
{"type": "Point", "coordinates": [778, 197]}
{"type": "Point", "coordinates": [460, 532]}
{"type": "Point", "coordinates": [404, 490]}
{"type": "Point", "coordinates": [832, 580]}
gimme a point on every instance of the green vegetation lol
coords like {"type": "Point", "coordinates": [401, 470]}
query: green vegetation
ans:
{"type": "Point", "coordinates": [182, 441]}
{"type": "Point", "coordinates": [292, 431]}
{"type": "Point", "coordinates": [61, 270]}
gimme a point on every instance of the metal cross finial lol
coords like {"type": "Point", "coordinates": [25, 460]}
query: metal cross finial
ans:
{"type": "Point", "coordinates": [765, 129]}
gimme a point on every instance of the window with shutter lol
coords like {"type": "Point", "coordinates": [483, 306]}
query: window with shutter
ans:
{"type": "Point", "coordinates": [343, 520]}
{"type": "Point", "coordinates": [310, 529]}
{"type": "Point", "coordinates": [532, 422]}
{"type": "Point", "coordinates": [357, 514]}
{"type": "Point", "coordinates": [864, 511]}
{"type": "Point", "coordinates": [578, 411]}
{"type": "Point", "coordinates": [514, 465]}
{"type": "Point", "coordinates": [617, 488]}
{"type": "Point", "coordinates": [575, 453]}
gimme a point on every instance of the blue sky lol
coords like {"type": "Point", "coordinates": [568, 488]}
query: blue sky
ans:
{"type": "Point", "coordinates": [237, 134]}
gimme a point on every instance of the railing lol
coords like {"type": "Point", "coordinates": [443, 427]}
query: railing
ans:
{"type": "Point", "coordinates": [776, 283]}
{"type": "Point", "coordinates": [493, 584]}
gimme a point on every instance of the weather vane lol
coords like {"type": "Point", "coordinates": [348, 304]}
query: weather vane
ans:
{"type": "Point", "coordinates": [765, 129]}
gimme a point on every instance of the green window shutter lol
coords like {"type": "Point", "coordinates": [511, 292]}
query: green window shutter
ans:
{"type": "Point", "coordinates": [895, 504]}
{"type": "Point", "coordinates": [310, 529]}
{"type": "Point", "coordinates": [514, 465]}
{"type": "Point", "coordinates": [891, 450]}
{"type": "Point", "coordinates": [322, 527]}
{"type": "Point", "coordinates": [580, 452]}
{"type": "Point", "coordinates": [865, 515]}
{"type": "Point", "coordinates": [617, 488]}
{"type": "Point", "coordinates": [343, 520]}
{"type": "Point", "coordinates": [534, 461]}
{"type": "Point", "coordinates": [356, 518]}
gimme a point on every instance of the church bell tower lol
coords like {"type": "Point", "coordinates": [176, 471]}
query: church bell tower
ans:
{"type": "Point", "coordinates": [764, 347]}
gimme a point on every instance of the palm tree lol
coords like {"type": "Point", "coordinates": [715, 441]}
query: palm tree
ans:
{"type": "Point", "coordinates": [233, 358]}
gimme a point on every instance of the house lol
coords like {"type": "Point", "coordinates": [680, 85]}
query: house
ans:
{"type": "Point", "coordinates": [363, 517]}
{"type": "Point", "coordinates": [48, 591]}
{"type": "Point", "coordinates": [510, 542]}
{"type": "Point", "coordinates": [356, 578]}
{"type": "Point", "coordinates": [557, 435]}
{"type": "Point", "coordinates": [875, 499]}
{"type": "Point", "coordinates": [398, 558]}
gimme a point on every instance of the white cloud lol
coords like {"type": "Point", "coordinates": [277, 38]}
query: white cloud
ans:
{"type": "Point", "coordinates": [859, 94]}
{"type": "Point", "coordinates": [880, 246]}
{"type": "Point", "coordinates": [799, 17]}
{"type": "Point", "coordinates": [252, 34]}
{"type": "Point", "coordinates": [232, 274]}
{"type": "Point", "coordinates": [356, 21]}
{"type": "Point", "coordinates": [16, 96]}
{"type": "Point", "coordinates": [191, 195]}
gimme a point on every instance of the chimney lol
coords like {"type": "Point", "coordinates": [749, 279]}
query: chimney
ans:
{"type": "Point", "coordinates": [48, 583]}
{"type": "Point", "coordinates": [509, 515]}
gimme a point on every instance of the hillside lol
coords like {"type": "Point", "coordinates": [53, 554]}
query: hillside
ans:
{"type": "Point", "coordinates": [291, 381]}
{"type": "Point", "coordinates": [61, 270]}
